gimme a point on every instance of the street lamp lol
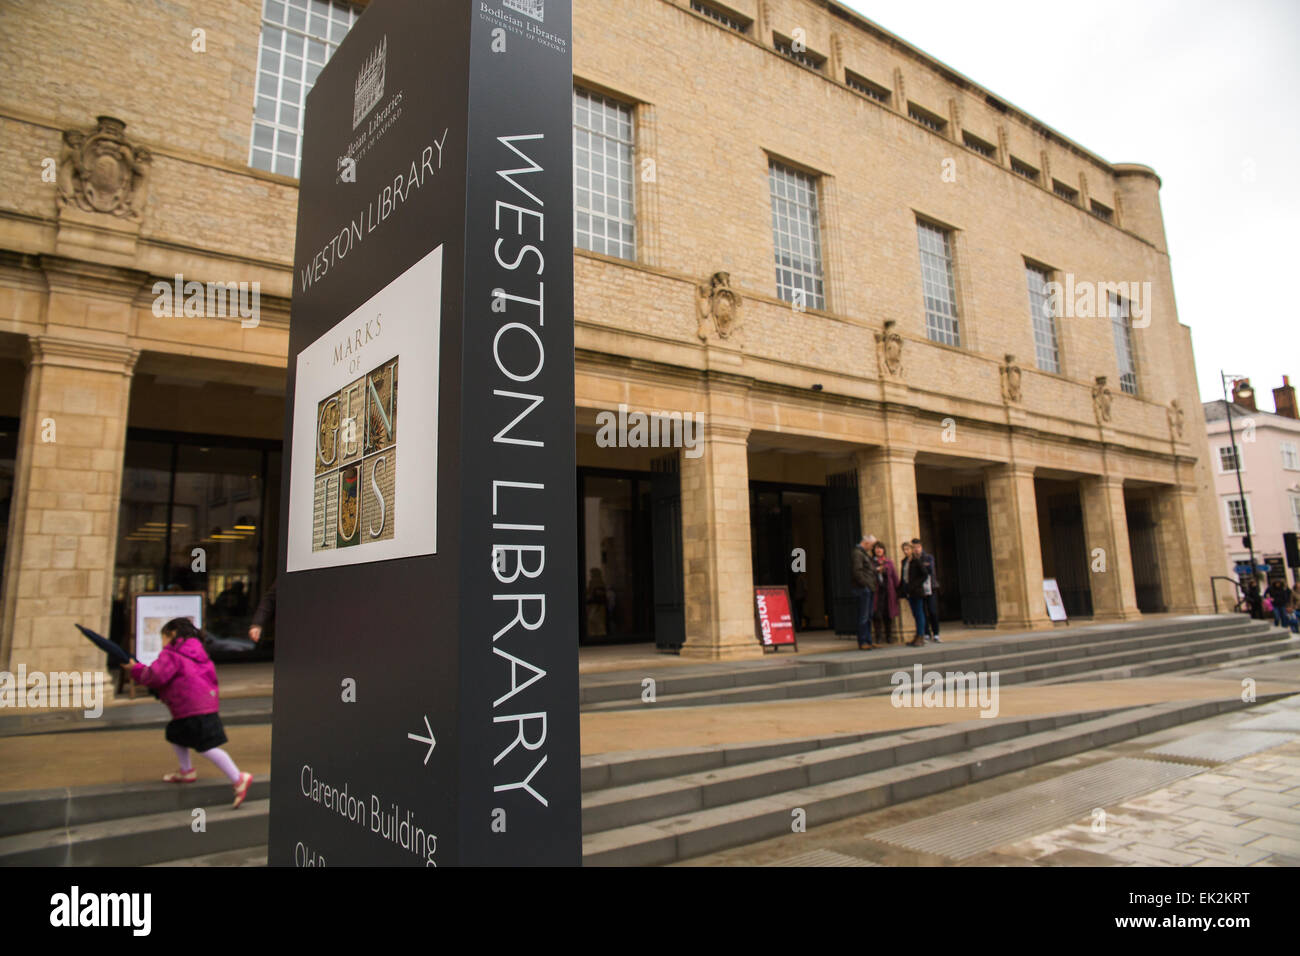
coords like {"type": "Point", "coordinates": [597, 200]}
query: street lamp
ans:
{"type": "Point", "coordinates": [1236, 466]}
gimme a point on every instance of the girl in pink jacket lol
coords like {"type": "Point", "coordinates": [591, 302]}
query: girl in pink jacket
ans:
{"type": "Point", "coordinates": [186, 682]}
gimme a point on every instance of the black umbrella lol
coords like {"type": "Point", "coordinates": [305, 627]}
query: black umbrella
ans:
{"type": "Point", "coordinates": [113, 651]}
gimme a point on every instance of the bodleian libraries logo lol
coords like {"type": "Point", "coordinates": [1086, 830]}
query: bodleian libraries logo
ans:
{"type": "Point", "coordinates": [651, 430]}
{"type": "Point", "coordinates": [529, 8]}
{"type": "Point", "coordinates": [209, 300]}
{"type": "Point", "coordinates": [356, 459]}
{"type": "Point", "coordinates": [951, 689]}
{"type": "Point", "coordinates": [369, 87]}
{"type": "Point", "coordinates": [82, 690]}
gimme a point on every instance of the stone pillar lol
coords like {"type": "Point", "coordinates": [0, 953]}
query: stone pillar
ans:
{"type": "Point", "coordinates": [647, 185]}
{"type": "Point", "coordinates": [1017, 554]}
{"type": "Point", "coordinates": [887, 491]}
{"type": "Point", "coordinates": [63, 521]}
{"type": "Point", "coordinates": [1175, 508]}
{"type": "Point", "coordinates": [1105, 527]}
{"type": "Point", "coordinates": [715, 547]}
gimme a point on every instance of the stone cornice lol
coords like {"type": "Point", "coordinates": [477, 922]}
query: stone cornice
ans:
{"type": "Point", "coordinates": [78, 353]}
{"type": "Point", "coordinates": [63, 274]}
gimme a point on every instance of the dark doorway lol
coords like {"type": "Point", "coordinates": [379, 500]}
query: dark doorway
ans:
{"type": "Point", "coordinates": [1064, 549]}
{"type": "Point", "coordinates": [783, 517]}
{"type": "Point", "coordinates": [615, 556]}
{"type": "Point", "coordinates": [669, 583]}
{"type": "Point", "coordinates": [1144, 552]}
{"type": "Point", "coordinates": [841, 530]}
{"type": "Point", "coordinates": [955, 530]}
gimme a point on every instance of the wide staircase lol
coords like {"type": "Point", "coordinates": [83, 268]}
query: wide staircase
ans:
{"type": "Point", "coordinates": [644, 808]}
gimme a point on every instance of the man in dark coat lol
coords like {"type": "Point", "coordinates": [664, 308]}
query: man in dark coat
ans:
{"type": "Point", "coordinates": [864, 588]}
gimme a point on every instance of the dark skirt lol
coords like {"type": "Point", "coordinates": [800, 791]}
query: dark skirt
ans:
{"type": "Point", "coordinates": [200, 732]}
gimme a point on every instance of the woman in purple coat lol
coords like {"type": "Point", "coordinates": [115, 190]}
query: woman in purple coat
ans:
{"type": "Point", "coordinates": [186, 682]}
{"type": "Point", "coordinates": [886, 604]}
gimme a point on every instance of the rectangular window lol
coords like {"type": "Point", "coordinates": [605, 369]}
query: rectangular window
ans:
{"type": "Point", "coordinates": [1021, 168]}
{"type": "Point", "coordinates": [803, 55]}
{"type": "Point", "coordinates": [978, 145]}
{"type": "Point", "coordinates": [298, 38]}
{"type": "Point", "coordinates": [1295, 513]}
{"type": "Point", "coordinates": [1064, 191]}
{"type": "Point", "coordinates": [1229, 456]}
{"type": "Point", "coordinates": [796, 236]}
{"type": "Point", "coordinates": [1046, 349]}
{"type": "Point", "coordinates": [926, 118]}
{"type": "Point", "coordinates": [937, 284]}
{"type": "Point", "coordinates": [1239, 522]}
{"type": "Point", "coordinates": [604, 219]}
{"type": "Point", "coordinates": [864, 86]}
{"type": "Point", "coordinates": [1122, 327]}
{"type": "Point", "coordinates": [1290, 459]}
{"type": "Point", "coordinates": [728, 18]}
{"type": "Point", "coordinates": [1104, 213]}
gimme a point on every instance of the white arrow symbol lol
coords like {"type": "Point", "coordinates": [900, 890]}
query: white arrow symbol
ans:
{"type": "Point", "coordinates": [425, 740]}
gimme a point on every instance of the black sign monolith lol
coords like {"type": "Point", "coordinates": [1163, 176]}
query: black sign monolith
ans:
{"type": "Point", "coordinates": [426, 631]}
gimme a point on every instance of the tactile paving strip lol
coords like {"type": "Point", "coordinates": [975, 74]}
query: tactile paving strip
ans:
{"type": "Point", "coordinates": [822, 858]}
{"type": "Point", "coordinates": [1010, 817]}
{"type": "Point", "coordinates": [1288, 721]}
{"type": "Point", "coordinates": [1220, 746]}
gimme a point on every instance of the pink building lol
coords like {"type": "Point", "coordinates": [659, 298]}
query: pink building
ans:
{"type": "Point", "coordinates": [1268, 447]}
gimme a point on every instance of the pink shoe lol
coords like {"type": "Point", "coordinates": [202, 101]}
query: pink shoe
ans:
{"type": "Point", "coordinates": [241, 788]}
{"type": "Point", "coordinates": [181, 776]}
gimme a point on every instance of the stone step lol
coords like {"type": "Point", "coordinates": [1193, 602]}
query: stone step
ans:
{"type": "Point", "coordinates": [33, 810]}
{"type": "Point", "coordinates": [1014, 666]}
{"type": "Point", "coordinates": [684, 835]}
{"type": "Point", "coordinates": [1202, 661]}
{"type": "Point", "coordinates": [141, 840]}
{"type": "Point", "coordinates": [631, 804]}
{"type": "Point", "coordinates": [627, 686]}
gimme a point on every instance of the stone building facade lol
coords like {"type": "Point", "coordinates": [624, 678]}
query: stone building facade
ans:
{"type": "Point", "coordinates": [832, 246]}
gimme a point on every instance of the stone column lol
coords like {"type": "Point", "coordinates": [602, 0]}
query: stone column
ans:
{"type": "Point", "coordinates": [1017, 555]}
{"type": "Point", "coordinates": [887, 491]}
{"type": "Point", "coordinates": [63, 521]}
{"type": "Point", "coordinates": [1175, 507]}
{"type": "Point", "coordinates": [1105, 526]}
{"type": "Point", "coordinates": [715, 547]}
{"type": "Point", "coordinates": [646, 178]}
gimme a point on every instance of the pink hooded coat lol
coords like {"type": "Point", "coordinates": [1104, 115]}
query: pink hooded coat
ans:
{"type": "Point", "coordinates": [184, 678]}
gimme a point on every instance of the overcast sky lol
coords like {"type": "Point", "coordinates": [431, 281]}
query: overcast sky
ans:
{"type": "Point", "coordinates": [1205, 94]}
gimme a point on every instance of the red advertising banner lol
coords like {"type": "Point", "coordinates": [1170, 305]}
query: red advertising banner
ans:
{"type": "Point", "coordinates": [772, 620]}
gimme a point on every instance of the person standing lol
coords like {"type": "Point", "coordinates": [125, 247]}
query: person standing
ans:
{"type": "Point", "coordinates": [886, 602]}
{"type": "Point", "coordinates": [864, 589]}
{"type": "Point", "coordinates": [913, 581]}
{"type": "Point", "coordinates": [1280, 595]}
{"type": "Point", "coordinates": [931, 589]}
{"type": "Point", "coordinates": [264, 616]}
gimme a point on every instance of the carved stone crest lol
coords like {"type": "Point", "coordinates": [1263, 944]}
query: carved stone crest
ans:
{"type": "Point", "coordinates": [889, 351]}
{"type": "Point", "coordinates": [101, 172]}
{"type": "Point", "coordinates": [1176, 417]}
{"type": "Point", "coordinates": [1102, 397]}
{"type": "Point", "coordinates": [718, 305]}
{"type": "Point", "coordinates": [1010, 379]}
